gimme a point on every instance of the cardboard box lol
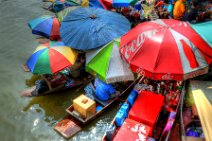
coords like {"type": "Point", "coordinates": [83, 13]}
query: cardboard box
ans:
{"type": "Point", "coordinates": [84, 106]}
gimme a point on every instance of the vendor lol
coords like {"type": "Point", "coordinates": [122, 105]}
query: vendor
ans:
{"type": "Point", "coordinates": [54, 80]}
{"type": "Point", "coordinates": [78, 68]}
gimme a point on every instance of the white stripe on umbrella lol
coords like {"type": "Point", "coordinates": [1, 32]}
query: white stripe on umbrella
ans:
{"type": "Point", "coordinates": [184, 60]}
{"type": "Point", "coordinates": [122, 71]}
{"type": "Point", "coordinates": [91, 54]}
{"type": "Point", "coordinates": [159, 21]}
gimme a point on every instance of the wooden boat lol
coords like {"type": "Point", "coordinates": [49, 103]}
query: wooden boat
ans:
{"type": "Point", "coordinates": [161, 128]}
{"type": "Point", "coordinates": [196, 112]}
{"type": "Point", "coordinates": [77, 82]}
{"type": "Point", "coordinates": [75, 123]}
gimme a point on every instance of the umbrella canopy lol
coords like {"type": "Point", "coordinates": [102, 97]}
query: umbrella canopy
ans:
{"type": "Point", "coordinates": [108, 4]}
{"type": "Point", "coordinates": [95, 3]}
{"type": "Point", "coordinates": [89, 28]}
{"type": "Point", "coordinates": [61, 15]}
{"type": "Point", "coordinates": [107, 64]}
{"type": "Point", "coordinates": [166, 49]}
{"type": "Point", "coordinates": [123, 3]}
{"type": "Point", "coordinates": [204, 30]}
{"type": "Point", "coordinates": [59, 5]}
{"type": "Point", "coordinates": [47, 26]}
{"type": "Point", "coordinates": [50, 58]}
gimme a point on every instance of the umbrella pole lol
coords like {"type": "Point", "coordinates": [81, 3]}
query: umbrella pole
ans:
{"type": "Point", "coordinates": [85, 84]}
{"type": "Point", "coordinates": [138, 80]}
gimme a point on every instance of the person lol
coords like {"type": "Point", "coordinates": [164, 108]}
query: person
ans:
{"type": "Point", "coordinates": [205, 13]}
{"type": "Point", "coordinates": [77, 69]}
{"type": "Point", "coordinates": [179, 10]}
{"type": "Point", "coordinates": [165, 10]}
{"type": "Point", "coordinates": [191, 13]}
{"type": "Point", "coordinates": [54, 80]}
{"type": "Point", "coordinates": [170, 8]}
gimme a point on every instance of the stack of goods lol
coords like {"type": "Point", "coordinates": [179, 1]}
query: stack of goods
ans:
{"type": "Point", "coordinates": [153, 104]}
{"type": "Point", "coordinates": [132, 130]}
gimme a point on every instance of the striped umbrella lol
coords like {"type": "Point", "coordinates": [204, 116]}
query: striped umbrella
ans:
{"type": "Point", "coordinates": [108, 4]}
{"type": "Point", "coordinates": [59, 5]}
{"type": "Point", "coordinates": [95, 3]}
{"type": "Point", "coordinates": [47, 26]}
{"type": "Point", "coordinates": [107, 64]}
{"type": "Point", "coordinates": [166, 49]}
{"type": "Point", "coordinates": [50, 58]}
{"type": "Point", "coordinates": [123, 3]}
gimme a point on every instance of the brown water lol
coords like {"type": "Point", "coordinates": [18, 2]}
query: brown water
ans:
{"type": "Point", "coordinates": [29, 119]}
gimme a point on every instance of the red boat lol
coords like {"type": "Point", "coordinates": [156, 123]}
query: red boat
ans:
{"type": "Point", "coordinates": [151, 115]}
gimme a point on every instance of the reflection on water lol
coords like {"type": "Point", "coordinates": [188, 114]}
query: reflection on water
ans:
{"type": "Point", "coordinates": [51, 109]}
{"type": "Point", "coordinates": [48, 110]}
{"type": "Point", "coordinates": [31, 119]}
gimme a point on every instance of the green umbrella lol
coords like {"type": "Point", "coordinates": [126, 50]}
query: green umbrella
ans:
{"type": "Point", "coordinates": [204, 30]}
{"type": "Point", "coordinates": [107, 64]}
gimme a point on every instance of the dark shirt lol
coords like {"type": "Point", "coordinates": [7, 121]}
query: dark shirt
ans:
{"type": "Point", "coordinates": [190, 14]}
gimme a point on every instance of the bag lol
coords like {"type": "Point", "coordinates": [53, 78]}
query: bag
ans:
{"type": "Point", "coordinates": [103, 90]}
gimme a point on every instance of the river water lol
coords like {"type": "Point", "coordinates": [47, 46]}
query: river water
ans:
{"type": "Point", "coordinates": [31, 119]}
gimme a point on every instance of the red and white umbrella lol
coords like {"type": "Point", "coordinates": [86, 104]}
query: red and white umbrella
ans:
{"type": "Point", "coordinates": [166, 50]}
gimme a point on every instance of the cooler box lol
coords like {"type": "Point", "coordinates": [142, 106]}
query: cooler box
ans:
{"type": "Point", "coordinates": [84, 106]}
{"type": "Point", "coordinates": [146, 108]}
{"type": "Point", "coordinates": [132, 130]}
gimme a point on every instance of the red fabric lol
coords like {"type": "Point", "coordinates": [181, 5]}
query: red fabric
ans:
{"type": "Point", "coordinates": [131, 130]}
{"type": "Point", "coordinates": [185, 29]}
{"type": "Point", "coordinates": [55, 33]}
{"type": "Point", "coordinates": [146, 108]}
{"type": "Point", "coordinates": [151, 48]}
{"type": "Point", "coordinates": [107, 4]}
{"type": "Point", "coordinates": [57, 61]}
{"type": "Point", "coordinates": [159, 3]}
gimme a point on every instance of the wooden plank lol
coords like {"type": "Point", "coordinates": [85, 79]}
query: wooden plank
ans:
{"type": "Point", "coordinates": [25, 68]}
{"type": "Point", "coordinates": [205, 86]}
{"type": "Point", "coordinates": [204, 109]}
{"type": "Point", "coordinates": [27, 92]}
{"type": "Point", "coordinates": [67, 127]}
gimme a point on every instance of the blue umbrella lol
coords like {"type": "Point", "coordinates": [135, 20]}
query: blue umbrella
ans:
{"type": "Point", "coordinates": [89, 28]}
